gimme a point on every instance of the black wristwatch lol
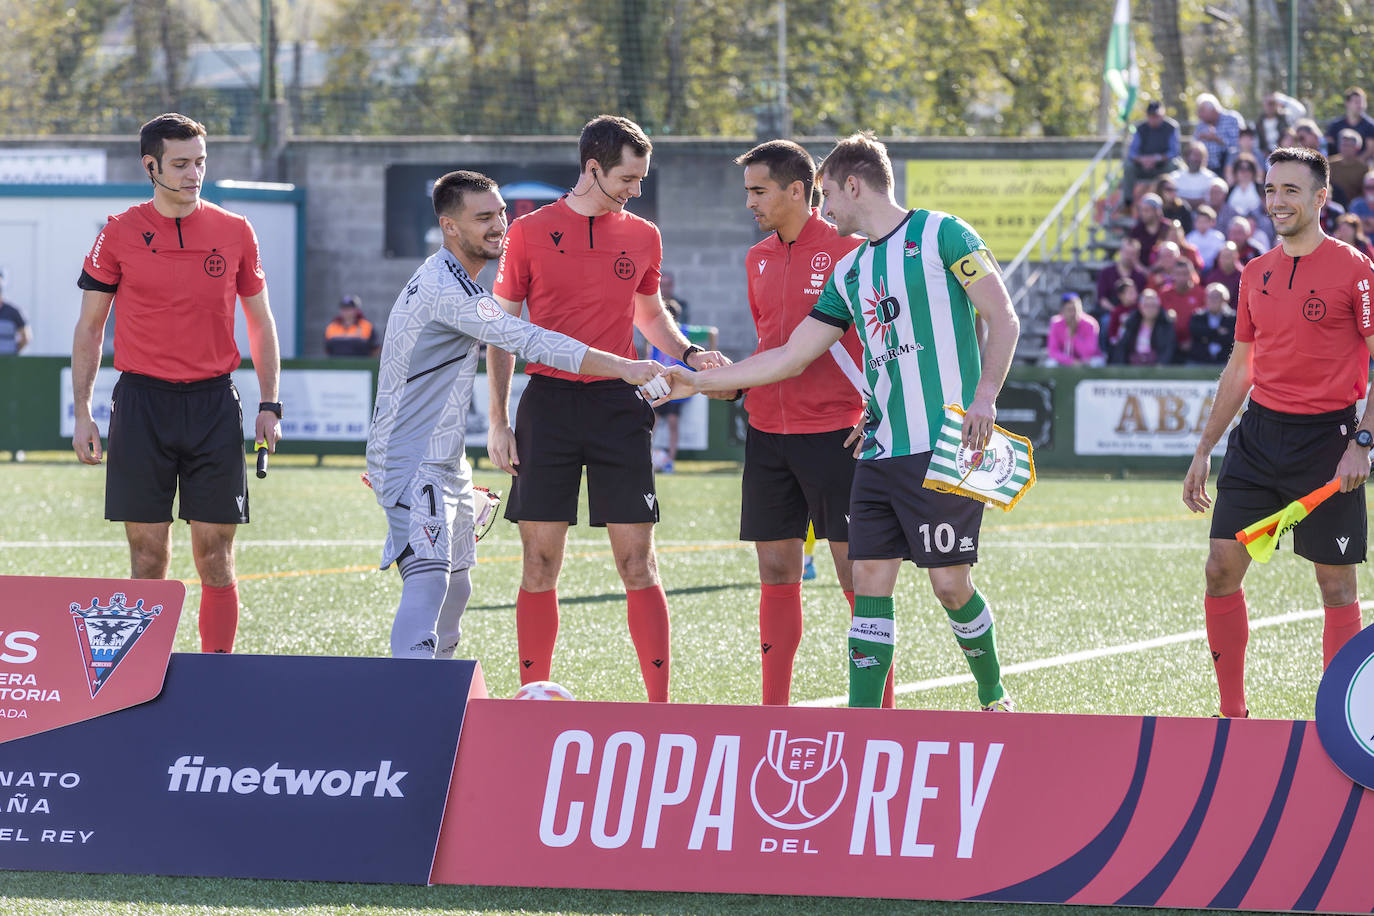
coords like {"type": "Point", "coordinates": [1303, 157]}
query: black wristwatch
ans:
{"type": "Point", "coordinates": [687, 353]}
{"type": "Point", "coordinates": [272, 406]}
{"type": "Point", "coordinates": [1364, 438]}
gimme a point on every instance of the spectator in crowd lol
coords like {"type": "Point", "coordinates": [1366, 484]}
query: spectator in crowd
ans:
{"type": "Point", "coordinates": [1280, 111]}
{"type": "Point", "coordinates": [1128, 298]}
{"type": "Point", "coordinates": [669, 412]}
{"type": "Point", "coordinates": [1147, 335]}
{"type": "Point", "coordinates": [1246, 197]}
{"type": "Point", "coordinates": [1307, 133]}
{"type": "Point", "coordinates": [1174, 207]}
{"type": "Point", "coordinates": [1183, 300]}
{"type": "Point", "coordinates": [1242, 233]}
{"type": "Point", "coordinates": [15, 333]}
{"type": "Point", "coordinates": [1248, 149]}
{"type": "Point", "coordinates": [1150, 227]}
{"type": "Point", "coordinates": [1348, 168]}
{"type": "Point", "coordinates": [1219, 130]}
{"type": "Point", "coordinates": [1153, 151]}
{"type": "Point", "coordinates": [1162, 266]}
{"type": "Point", "coordinates": [1363, 206]}
{"type": "Point", "coordinates": [1217, 200]}
{"type": "Point", "coordinates": [1329, 214]}
{"type": "Point", "coordinates": [1227, 270]}
{"type": "Point", "coordinates": [1193, 180]}
{"type": "Point", "coordinates": [1212, 331]}
{"type": "Point", "coordinates": [667, 287]}
{"type": "Point", "coordinates": [1348, 230]}
{"type": "Point", "coordinates": [1073, 336]}
{"type": "Point", "coordinates": [1185, 248]}
{"type": "Point", "coordinates": [350, 333]}
{"type": "Point", "coordinates": [1354, 119]}
{"type": "Point", "coordinates": [1126, 265]}
{"type": "Point", "coordinates": [1206, 237]}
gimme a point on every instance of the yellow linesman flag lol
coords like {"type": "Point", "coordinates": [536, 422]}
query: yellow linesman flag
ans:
{"type": "Point", "coordinates": [1000, 473]}
{"type": "Point", "coordinates": [1262, 537]}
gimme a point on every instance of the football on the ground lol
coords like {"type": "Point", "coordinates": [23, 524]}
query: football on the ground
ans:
{"type": "Point", "coordinates": [543, 690]}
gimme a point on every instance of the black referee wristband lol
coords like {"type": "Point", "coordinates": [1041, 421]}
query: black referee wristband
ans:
{"type": "Point", "coordinates": [271, 407]}
{"type": "Point", "coordinates": [687, 353]}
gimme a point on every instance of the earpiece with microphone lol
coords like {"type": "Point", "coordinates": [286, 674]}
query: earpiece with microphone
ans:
{"type": "Point", "coordinates": [597, 179]}
{"type": "Point", "coordinates": [156, 182]}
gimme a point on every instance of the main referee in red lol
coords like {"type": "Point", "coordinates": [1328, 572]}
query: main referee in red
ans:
{"type": "Point", "coordinates": [590, 270]}
{"type": "Point", "coordinates": [796, 465]}
{"type": "Point", "coordinates": [175, 265]}
{"type": "Point", "coordinates": [1304, 335]}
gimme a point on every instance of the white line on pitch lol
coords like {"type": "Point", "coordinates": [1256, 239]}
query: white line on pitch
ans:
{"type": "Point", "coordinates": [1086, 655]}
{"type": "Point", "coordinates": [586, 543]}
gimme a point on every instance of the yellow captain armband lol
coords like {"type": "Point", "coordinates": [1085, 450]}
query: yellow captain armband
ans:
{"type": "Point", "coordinates": [974, 267]}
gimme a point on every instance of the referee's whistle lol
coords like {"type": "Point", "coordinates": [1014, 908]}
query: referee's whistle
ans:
{"type": "Point", "coordinates": [262, 458]}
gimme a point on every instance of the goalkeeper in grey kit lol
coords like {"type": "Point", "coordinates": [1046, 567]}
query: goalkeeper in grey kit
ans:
{"type": "Point", "coordinates": [415, 449]}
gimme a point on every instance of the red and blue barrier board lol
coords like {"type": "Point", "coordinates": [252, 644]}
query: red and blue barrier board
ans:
{"type": "Point", "coordinates": [343, 769]}
{"type": "Point", "coordinates": [331, 769]}
{"type": "Point", "coordinates": [1125, 810]}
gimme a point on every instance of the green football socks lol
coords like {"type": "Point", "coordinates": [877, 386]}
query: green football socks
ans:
{"type": "Point", "coordinates": [974, 632]}
{"type": "Point", "coordinates": [870, 650]}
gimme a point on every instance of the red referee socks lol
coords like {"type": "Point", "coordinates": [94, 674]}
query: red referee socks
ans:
{"type": "Point", "coordinates": [889, 699]}
{"type": "Point", "coordinates": [1228, 630]}
{"type": "Point", "coordinates": [1341, 624]}
{"type": "Point", "coordinates": [780, 632]}
{"type": "Point", "coordinates": [219, 617]}
{"type": "Point", "coordinates": [536, 630]}
{"type": "Point", "coordinates": [648, 619]}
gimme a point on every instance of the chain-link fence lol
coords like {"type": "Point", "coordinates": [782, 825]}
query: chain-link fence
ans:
{"type": "Point", "coordinates": [684, 67]}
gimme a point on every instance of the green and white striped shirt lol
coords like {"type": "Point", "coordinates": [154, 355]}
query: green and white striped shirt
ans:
{"type": "Point", "coordinates": [917, 327]}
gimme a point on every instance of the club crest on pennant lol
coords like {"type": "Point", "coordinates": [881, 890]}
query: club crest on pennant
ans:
{"type": "Point", "coordinates": [106, 633]}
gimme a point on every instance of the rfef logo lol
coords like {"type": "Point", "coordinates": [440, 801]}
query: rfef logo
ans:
{"type": "Point", "coordinates": [799, 782]}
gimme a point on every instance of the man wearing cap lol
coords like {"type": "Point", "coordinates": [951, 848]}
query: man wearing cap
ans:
{"type": "Point", "coordinates": [351, 334]}
{"type": "Point", "coordinates": [14, 330]}
{"type": "Point", "coordinates": [1153, 151]}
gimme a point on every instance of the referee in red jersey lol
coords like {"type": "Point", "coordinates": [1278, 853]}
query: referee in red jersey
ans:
{"type": "Point", "coordinates": [1302, 350]}
{"type": "Point", "coordinates": [175, 265]}
{"type": "Point", "coordinates": [587, 268]}
{"type": "Point", "coordinates": [796, 465]}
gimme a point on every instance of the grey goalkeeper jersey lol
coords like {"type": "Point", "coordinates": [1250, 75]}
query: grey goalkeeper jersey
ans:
{"type": "Point", "coordinates": [428, 365]}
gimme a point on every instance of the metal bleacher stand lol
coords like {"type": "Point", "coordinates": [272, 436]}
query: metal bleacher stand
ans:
{"type": "Point", "coordinates": [1078, 237]}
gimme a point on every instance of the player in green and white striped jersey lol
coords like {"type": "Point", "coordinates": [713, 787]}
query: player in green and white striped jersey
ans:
{"type": "Point", "coordinates": [915, 290]}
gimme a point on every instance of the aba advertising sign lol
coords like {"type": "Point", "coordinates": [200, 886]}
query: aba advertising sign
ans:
{"type": "Point", "coordinates": [329, 769]}
{"type": "Point", "coordinates": [907, 804]}
{"type": "Point", "coordinates": [1141, 417]}
{"type": "Point", "coordinates": [73, 649]}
